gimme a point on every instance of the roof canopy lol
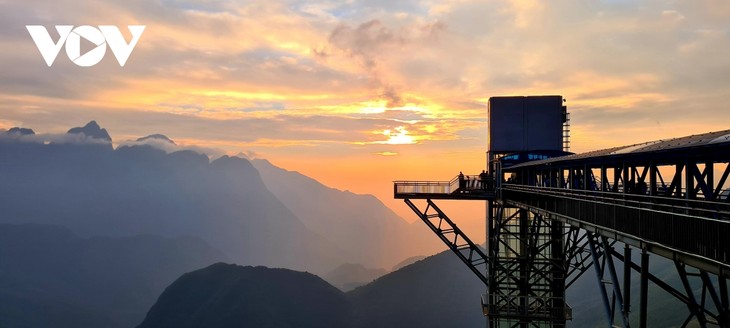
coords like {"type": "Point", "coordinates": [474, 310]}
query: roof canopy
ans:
{"type": "Point", "coordinates": [661, 150]}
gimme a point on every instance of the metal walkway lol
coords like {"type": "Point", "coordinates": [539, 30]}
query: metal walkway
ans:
{"type": "Point", "coordinates": [474, 187]}
{"type": "Point", "coordinates": [667, 197]}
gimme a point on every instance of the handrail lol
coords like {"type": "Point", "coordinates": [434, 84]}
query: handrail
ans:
{"type": "Point", "coordinates": [460, 183]}
{"type": "Point", "coordinates": [691, 229]}
{"type": "Point", "coordinates": [688, 207]}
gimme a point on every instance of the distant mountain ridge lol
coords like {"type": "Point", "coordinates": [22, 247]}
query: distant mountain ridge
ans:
{"type": "Point", "coordinates": [21, 131]}
{"type": "Point", "coordinates": [101, 191]}
{"type": "Point", "coordinates": [349, 276]}
{"type": "Point", "coordinates": [157, 136]}
{"type": "Point", "coordinates": [92, 130]}
{"type": "Point", "coordinates": [407, 262]}
{"type": "Point", "coordinates": [361, 225]}
{"type": "Point", "coordinates": [255, 212]}
{"type": "Point", "coordinates": [83, 202]}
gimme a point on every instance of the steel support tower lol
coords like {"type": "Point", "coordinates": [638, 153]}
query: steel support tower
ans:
{"type": "Point", "coordinates": [552, 216]}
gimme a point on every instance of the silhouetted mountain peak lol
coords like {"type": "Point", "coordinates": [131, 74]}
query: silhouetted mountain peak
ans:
{"type": "Point", "coordinates": [232, 162]}
{"type": "Point", "coordinates": [154, 187]}
{"type": "Point", "coordinates": [227, 295]}
{"type": "Point", "coordinates": [408, 261]}
{"type": "Point", "coordinates": [92, 130]}
{"type": "Point", "coordinates": [358, 220]}
{"type": "Point", "coordinates": [20, 131]}
{"type": "Point", "coordinates": [422, 295]}
{"type": "Point", "coordinates": [157, 136]}
{"type": "Point", "coordinates": [349, 276]}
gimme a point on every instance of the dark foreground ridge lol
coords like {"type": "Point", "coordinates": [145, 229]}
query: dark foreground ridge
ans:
{"type": "Point", "coordinates": [435, 292]}
{"type": "Point", "coordinates": [227, 295]}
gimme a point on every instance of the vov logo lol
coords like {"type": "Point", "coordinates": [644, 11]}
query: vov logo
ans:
{"type": "Point", "coordinates": [105, 34]}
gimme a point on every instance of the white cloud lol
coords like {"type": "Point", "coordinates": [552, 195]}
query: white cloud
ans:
{"type": "Point", "coordinates": [214, 63]}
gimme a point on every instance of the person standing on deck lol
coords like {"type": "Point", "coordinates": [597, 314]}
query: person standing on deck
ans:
{"type": "Point", "coordinates": [462, 183]}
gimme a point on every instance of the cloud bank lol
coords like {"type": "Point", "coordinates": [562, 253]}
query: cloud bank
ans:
{"type": "Point", "coordinates": [320, 72]}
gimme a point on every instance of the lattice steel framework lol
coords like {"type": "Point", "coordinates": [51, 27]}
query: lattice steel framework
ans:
{"type": "Point", "coordinates": [556, 219]}
{"type": "Point", "coordinates": [527, 269]}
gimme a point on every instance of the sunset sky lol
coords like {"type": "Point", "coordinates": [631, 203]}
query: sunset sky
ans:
{"type": "Point", "coordinates": [359, 93]}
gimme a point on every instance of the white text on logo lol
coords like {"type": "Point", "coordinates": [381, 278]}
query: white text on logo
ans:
{"type": "Point", "coordinates": [105, 34]}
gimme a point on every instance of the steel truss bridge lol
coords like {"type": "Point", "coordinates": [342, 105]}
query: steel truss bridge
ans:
{"type": "Point", "coordinates": [551, 220]}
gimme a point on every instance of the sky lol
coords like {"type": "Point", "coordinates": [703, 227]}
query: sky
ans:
{"type": "Point", "coordinates": [357, 94]}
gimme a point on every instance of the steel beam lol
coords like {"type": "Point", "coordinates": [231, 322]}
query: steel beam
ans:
{"type": "Point", "coordinates": [592, 244]}
{"type": "Point", "coordinates": [627, 281]}
{"type": "Point", "coordinates": [614, 281]}
{"type": "Point", "coordinates": [694, 308]}
{"type": "Point", "coordinates": [453, 237]}
{"type": "Point", "coordinates": [644, 288]}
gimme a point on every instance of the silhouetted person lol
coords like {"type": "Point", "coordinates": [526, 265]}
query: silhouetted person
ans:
{"type": "Point", "coordinates": [579, 181]}
{"type": "Point", "coordinates": [483, 179]}
{"type": "Point", "coordinates": [641, 188]}
{"type": "Point", "coordinates": [630, 186]}
{"type": "Point", "coordinates": [462, 182]}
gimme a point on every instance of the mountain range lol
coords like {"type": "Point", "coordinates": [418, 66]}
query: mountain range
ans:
{"type": "Point", "coordinates": [438, 292]}
{"type": "Point", "coordinates": [90, 235]}
{"type": "Point", "coordinates": [366, 230]}
{"type": "Point", "coordinates": [349, 276]}
{"type": "Point", "coordinates": [256, 215]}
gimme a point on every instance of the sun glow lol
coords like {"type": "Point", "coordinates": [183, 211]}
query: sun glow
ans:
{"type": "Point", "coordinates": [398, 136]}
{"type": "Point", "coordinates": [381, 106]}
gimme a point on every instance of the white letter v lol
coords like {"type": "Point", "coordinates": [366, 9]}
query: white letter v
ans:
{"type": "Point", "coordinates": [116, 42]}
{"type": "Point", "coordinates": [42, 39]}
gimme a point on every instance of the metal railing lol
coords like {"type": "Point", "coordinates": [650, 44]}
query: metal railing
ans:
{"type": "Point", "coordinates": [459, 184]}
{"type": "Point", "coordinates": [699, 208]}
{"type": "Point", "coordinates": [423, 187]}
{"type": "Point", "coordinates": [695, 227]}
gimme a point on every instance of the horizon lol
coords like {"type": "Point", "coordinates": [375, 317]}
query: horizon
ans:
{"type": "Point", "coordinates": [359, 94]}
{"type": "Point", "coordinates": [318, 163]}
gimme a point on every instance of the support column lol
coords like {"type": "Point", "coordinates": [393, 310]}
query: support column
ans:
{"type": "Point", "coordinates": [652, 179]}
{"type": "Point", "coordinates": [490, 258]}
{"type": "Point", "coordinates": [558, 267]}
{"type": "Point", "coordinates": [607, 248]}
{"type": "Point", "coordinates": [523, 258]}
{"type": "Point", "coordinates": [722, 284]}
{"type": "Point", "coordinates": [599, 276]}
{"type": "Point", "coordinates": [710, 181]}
{"type": "Point", "coordinates": [627, 280]}
{"type": "Point", "coordinates": [616, 177]}
{"type": "Point", "coordinates": [644, 288]}
{"type": "Point", "coordinates": [689, 169]}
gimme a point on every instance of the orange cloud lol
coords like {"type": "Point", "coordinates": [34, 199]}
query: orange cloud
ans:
{"type": "Point", "coordinates": [339, 81]}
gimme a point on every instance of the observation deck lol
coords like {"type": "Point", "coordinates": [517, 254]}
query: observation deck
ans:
{"type": "Point", "coordinates": [461, 187]}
